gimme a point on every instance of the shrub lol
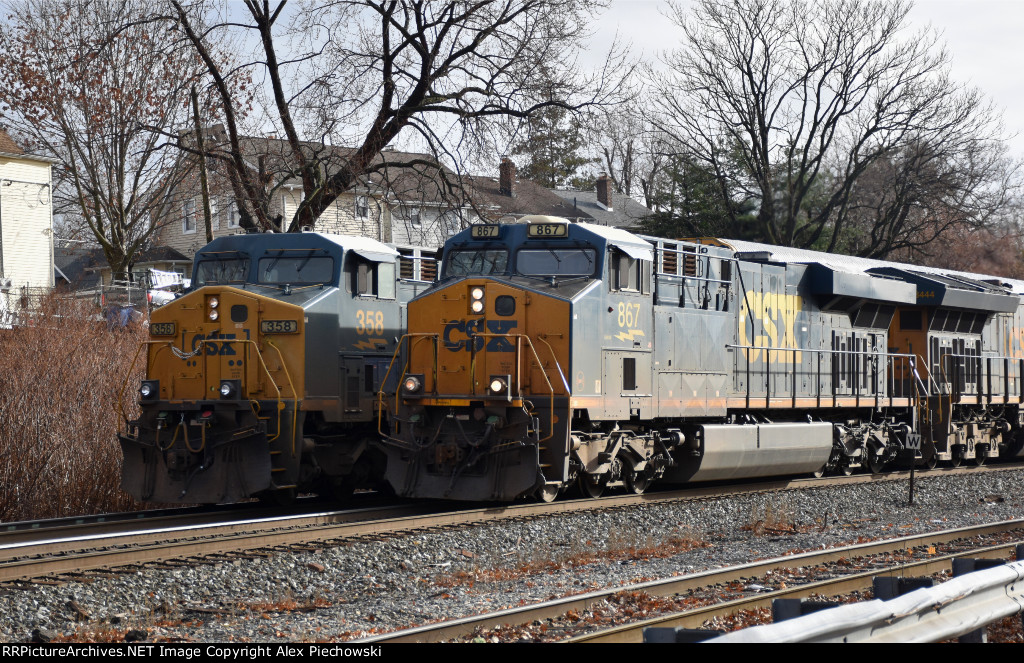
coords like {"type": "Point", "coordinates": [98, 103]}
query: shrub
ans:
{"type": "Point", "coordinates": [60, 376]}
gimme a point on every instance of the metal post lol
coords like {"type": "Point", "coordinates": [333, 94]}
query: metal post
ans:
{"type": "Point", "coordinates": [913, 466]}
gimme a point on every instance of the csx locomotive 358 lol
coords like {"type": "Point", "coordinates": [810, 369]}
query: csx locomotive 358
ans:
{"type": "Point", "coordinates": [553, 354]}
{"type": "Point", "coordinates": [261, 381]}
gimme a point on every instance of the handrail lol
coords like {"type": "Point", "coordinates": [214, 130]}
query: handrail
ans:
{"type": "Point", "coordinates": [407, 338]}
{"type": "Point", "coordinates": [984, 374]}
{"type": "Point", "coordinates": [166, 343]}
{"type": "Point", "coordinates": [890, 357]}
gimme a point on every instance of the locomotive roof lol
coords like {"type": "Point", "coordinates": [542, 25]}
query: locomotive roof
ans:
{"type": "Point", "coordinates": [856, 265]}
{"type": "Point", "coordinates": [364, 246]}
{"type": "Point", "coordinates": [632, 245]}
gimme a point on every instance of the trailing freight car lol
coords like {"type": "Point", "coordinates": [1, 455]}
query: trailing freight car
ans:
{"type": "Point", "coordinates": [551, 355]}
{"type": "Point", "coordinates": [262, 380]}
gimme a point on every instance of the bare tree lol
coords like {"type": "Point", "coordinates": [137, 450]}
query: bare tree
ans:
{"type": "Point", "coordinates": [448, 76]}
{"type": "Point", "coordinates": [810, 97]}
{"type": "Point", "coordinates": [81, 87]}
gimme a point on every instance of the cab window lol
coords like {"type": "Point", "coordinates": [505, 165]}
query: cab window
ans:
{"type": "Point", "coordinates": [476, 262]}
{"type": "Point", "coordinates": [296, 269]}
{"type": "Point", "coordinates": [555, 262]}
{"type": "Point", "coordinates": [625, 273]}
{"type": "Point", "coordinates": [221, 271]}
{"type": "Point", "coordinates": [371, 279]}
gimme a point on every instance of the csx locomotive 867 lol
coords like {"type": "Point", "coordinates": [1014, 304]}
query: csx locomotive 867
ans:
{"type": "Point", "coordinates": [553, 354]}
{"type": "Point", "coordinates": [261, 381]}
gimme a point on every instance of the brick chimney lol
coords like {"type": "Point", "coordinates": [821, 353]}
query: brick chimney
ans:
{"type": "Point", "coordinates": [506, 177]}
{"type": "Point", "coordinates": [604, 192]}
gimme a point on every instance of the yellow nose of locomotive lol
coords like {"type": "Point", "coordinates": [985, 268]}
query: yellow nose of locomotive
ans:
{"type": "Point", "coordinates": [490, 341]}
{"type": "Point", "coordinates": [221, 342]}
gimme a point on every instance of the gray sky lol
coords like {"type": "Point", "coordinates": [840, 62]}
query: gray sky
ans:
{"type": "Point", "coordinates": [983, 38]}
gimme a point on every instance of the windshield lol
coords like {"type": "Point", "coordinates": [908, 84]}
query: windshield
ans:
{"type": "Point", "coordinates": [483, 261]}
{"type": "Point", "coordinates": [307, 269]}
{"type": "Point", "coordinates": [555, 262]}
{"type": "Point", "coordinates": [222, 270]}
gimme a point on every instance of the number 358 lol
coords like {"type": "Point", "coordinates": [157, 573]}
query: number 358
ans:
{"type": "Point", "coordinates": [370, 322]}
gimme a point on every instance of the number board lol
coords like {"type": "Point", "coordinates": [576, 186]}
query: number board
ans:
{"type": "Point", "coordinates": [162, 329]}
{"type": "Point", "coordinates": [485, 231]}
{"type": "Point", "coordinates": [547, 230]}
{"type": "Point", "coordinates": [279, 326]}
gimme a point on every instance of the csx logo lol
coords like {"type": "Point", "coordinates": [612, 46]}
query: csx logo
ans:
{"type": "Point", "coordinates": [461, 335]}
{"type": "Point", "coordinates": [768, 320]}
{"type": "Point", "coordinates": [212, 348]}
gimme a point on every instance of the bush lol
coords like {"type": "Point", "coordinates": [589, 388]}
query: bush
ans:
{"type": "Point", "coordinates": [60, 377]}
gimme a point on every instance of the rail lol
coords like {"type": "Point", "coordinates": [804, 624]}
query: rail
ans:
{"type": "Point", "coordinates": [952, 609]}
{"type": "Point", "coordinates": [908, 385]}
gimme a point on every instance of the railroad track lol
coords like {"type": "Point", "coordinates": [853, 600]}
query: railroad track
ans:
{"type": "Point", "coordinates": [1001, 539]}
{"type": "Point", "coordinates": [71, 547]}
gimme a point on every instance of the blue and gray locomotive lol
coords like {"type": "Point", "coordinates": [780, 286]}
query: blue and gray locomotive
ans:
{"type": "Point", "coordinates": [262, 380]}
{"type": "Point", "coordinates": [552, 355]}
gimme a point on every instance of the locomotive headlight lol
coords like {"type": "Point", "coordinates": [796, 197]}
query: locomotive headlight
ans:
{"type": "Point", "coordinates": [476, 295]}
{"type": "Point", "coordinates": [412, 384]}
{"type": "Point", "coordinates": [498, 385]}
{"type": "Point", "coordinates": [230, 388]}
{"type": "Point", "coordinates": [214, 302]}
{"type": "Point", "coordinates": [214, 315]}
{"type": "Point", "coordinates": [150, 389]}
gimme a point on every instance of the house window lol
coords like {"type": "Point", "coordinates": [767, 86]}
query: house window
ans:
{"type": "Point", "coordinates": [230, 213]}
{"type": "Point", "coordinates": [414, 217]}
{"type": "Point", "coordinates": [284, 208]}
{"type": "Point", "coordinates": [362, 207]}
{"type": "Point", "coordinates": [214, 217]}
{"type": "Point", "coordinates": [188, 216]}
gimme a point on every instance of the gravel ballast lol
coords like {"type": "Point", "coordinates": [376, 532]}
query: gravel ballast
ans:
{"type": "Point", "coordinates": [339, 593]}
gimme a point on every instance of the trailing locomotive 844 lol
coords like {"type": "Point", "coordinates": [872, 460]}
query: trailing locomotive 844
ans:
{"type": "Point", "coordinates": [261, 381]}
{"type": "Point", "coordinates": [553, 354]}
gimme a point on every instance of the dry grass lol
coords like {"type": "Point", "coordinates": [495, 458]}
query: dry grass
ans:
{"type": "Point", "coordinates": [620, 548]}
{"type": "Point", "coordinates": [59, 384]}
{"type": "Point", "coordinates": [771, 519]}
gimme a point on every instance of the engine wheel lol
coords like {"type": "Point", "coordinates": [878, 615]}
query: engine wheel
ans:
{"type": "Point", "coordinates": [547, 493]}
{"type": "Point", "coordinates": [875, 463]}
{"type": "Point", "coordinates": [980, 456]}
{"type": "Point", "coordinates": [591, 487]}
{"type": "Point", "coordinates": [638, 482]}
{"type": "Point", "coordinates": [931, 462]}
{"type": "Point", "coordinates": [846, 470]}
{"type": "Point", "coordinates": [957, 457]}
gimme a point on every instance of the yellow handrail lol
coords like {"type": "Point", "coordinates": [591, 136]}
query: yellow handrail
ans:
{"type": "Point", "coordinates": [165, 343]}
{"type": "Point", "coordinates": [518, 337]}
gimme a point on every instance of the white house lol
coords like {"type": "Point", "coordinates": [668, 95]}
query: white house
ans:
{"type": "Point", "coordinates": [26, 226]}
